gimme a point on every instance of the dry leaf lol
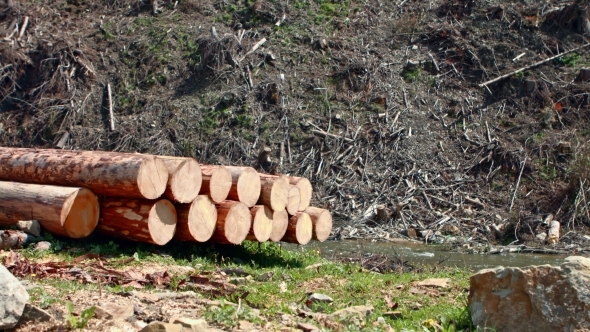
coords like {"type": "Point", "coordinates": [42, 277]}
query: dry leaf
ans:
{"type": "Point", "coordinates": [390, 303]}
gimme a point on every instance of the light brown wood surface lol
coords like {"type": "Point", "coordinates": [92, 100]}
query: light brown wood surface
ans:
{"type": "Point", "coordinates": [294, 200]}
{"type": "Point", "coordinates": [217, 182]}
{"type": "Point", "coordinates": [299, 229]}
{"type": "Point", "coordinates": [197, 220]}
{"type": "Point", "coordinates": [321, 220]}
{"type": "Point", "coordinates": [233, 222]}
{"type": "Point", "coordinates": [305, 190]}
{"type": "Point", "coordinates": [261, 223]}
{"type": "Point", "coordinates": [184, 181]}
{"type": "Point", "coordinates": [280, 221]}
{"type": "Point", "coordinates": [245, 185]}
{"type": "Point", "coordinates": [274, 191]}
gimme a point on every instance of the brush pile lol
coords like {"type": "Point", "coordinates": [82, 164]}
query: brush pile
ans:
{"type": "Point", "coordinates": [155, 199]}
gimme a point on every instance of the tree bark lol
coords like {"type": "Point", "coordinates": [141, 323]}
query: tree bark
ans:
{"type": "Point", "coordinates": [245, 186]}
{"type": "Point", "coordinates": [274, 191]}
{"type": "Point", "coordinates": [280, 221]}
{"type": "Point", "coordinates": [322, 223]}
{"type": "Point", "coordinates": [217, 182]}
{"type": "Point", "coordinates": [293, 200]}
{"type": "Point", "coordinates": [233, 222]}
{"type": "Point", "coordinates": [299, 229]}
{"type": "Point", "coordinates": [65, 211]}
{"type": "Point", "coordinates": [150, 221]}
{"type": "Point", "coordinates": [197, 220]}
{"type": "Point", "coordinates": [261, 223]}
{"type": "Point", "coordinates": [105, 173]}
{"type": "Point", "coordinates": [184, 181]}
{"type": "Point", "coordinates": [553, 233]}
{"type": "Point", "coordinates": [305, 191]}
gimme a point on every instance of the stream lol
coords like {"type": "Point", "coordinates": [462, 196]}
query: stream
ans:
{"type": "Point", "coordinates": [423, 254]}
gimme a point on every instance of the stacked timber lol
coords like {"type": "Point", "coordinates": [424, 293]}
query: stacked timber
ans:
{"type": "Point", "coordinates": [155, 199]}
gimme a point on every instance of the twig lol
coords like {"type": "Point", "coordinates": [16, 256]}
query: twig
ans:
{"type": "Point", "coordinates": [517, 184]}
{"type": "Point", "coordinates": [23, 28]}
{"type": "Point", "coordinates": [110, 100]}
{"type": "Point", "coordinates": [323, 133]}
{"type": "Point", "coordinates": [530, 66]}
{"type": "Point", "coordinates": [254, 48]}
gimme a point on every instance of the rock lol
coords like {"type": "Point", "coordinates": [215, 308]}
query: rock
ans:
{"type": "Point", "coordinates": [393, 314]}
{"type": "Point", "coordinates": [30, 226]}
{"type": "Point", "coordinates": [34, 314]}
{"type": "Point", "coordinates": [266, 276]}
{"type": "Point", "coordinates": [246, 325]}
{"type": "Point", "coordinates": [162, 327]}
{"type": "Point", "coordinates": [307, 327]}
{"type": "Point", "coordinates": [319, 298]}
{"type": "Point", "coordinates": [190, 324]}
{"type": "Point", "coordinates": [13, 298]}
{"type": "Point", "coordinates": [313, 266]}
{"type": "Point", "coordinates": [42, 246]}
{"type": "Point", "coordinates": [434, 282]}
{"type": "Point", "coordinates": [534, 298]}
{"type": "Point", "coordinates": [541, 236]}
{"type": "Point", "coordinates": [238, 281]}
{"type": "Point", "coordinates": [356, 315]}
{"type": "Point", "coordinates": [238, 272]}
{"type": "Point", "coordinates": [113, 311]}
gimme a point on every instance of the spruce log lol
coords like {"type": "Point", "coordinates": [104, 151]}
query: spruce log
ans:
{"type": "Point", "coordinates": [322, 223]}
{"type": "Point", "coordinates": [293, 200]}
{"type": "Point", "coordinates": [217, 182]}
{"type": "Point", "coordinates": [305, 191]}
{"type": "Point", "coordinates": [245, 185]}
{"type": "Point", "coordinates": [105, 173]}
{"type": "Point", "coordinates": [274, 191]}
{"type": "Point", "coordinates": [299, 229]}
{"type": "Point", "coordinates": [280, 221]}
{"type": "Point", "coordinates": [196, 221]}
{"type": "Point", "coordinates": [150, 221]}
{"type": "Point", "coordinates": [233, 222]}
{"type": "Point", "coordinates": [66, 211]}
{"type": "Point", "coordinates": [261, 223]}
{"type": "Point", "coordinates": [553, 237]}
{"type": "Point", "coordinates": [184, 182]}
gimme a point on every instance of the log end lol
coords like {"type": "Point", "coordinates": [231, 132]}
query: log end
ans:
{"type": "Point", "coordinates": [82, 217]}
{"type": "Point", "coordinates": [322, 224]}
{"type": "Point", "coordinates": [294, 200]}
{"type": "Point", "coordinates": [220, 184]}
{"type": "Point", "coordinates": [202, 218]}
{"type": "Point", "coordinates": [303, 228]}
{"type": "Point", "coordinates": [185, 183]}
{"type": "Point", "coordinates": [152, 178]}
{"type": "Point", "coordinates": [280, 221]}
{"type": "Point", "coordinates": [279, 194]}
{"type": "Point", "coordinates": [162, 222]}
{"type": "Point", "coordinates": [248, 187]}
{"type": "Point", "coordinates": [261, 223]}
{"type": "Point", "coordinates": [305, 190]}
{"type": "Point", "coordinates": [237, 223]}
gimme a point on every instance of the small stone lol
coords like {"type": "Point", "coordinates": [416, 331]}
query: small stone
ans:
{"type": "Point", "coordinates": [313, 266]}
{"type": "Point", "coordinates": [352, 315]}
{"type": "Point", "coordinates": [35, 314]}
{"type": "Point", "coordinates": [435, 282]}
{"type": "Point", "coordinates": [266, 276]}
{"type": "Point", "coordinates": [42, 246]}
{"type": "Point", "coordinates": [113, 311]}
{"type": "Point", "coordinates": [416, 306]}
{"type": "Point", "coordinates": [380, 320]}
{"type": "Point", "coordinates": [139, 324]}
{"type": "Point", "coordinates": [393, 314]}
{"type": "Point", "coordinates": [190, 324]}
{"type": "Point", "coordinates": [238, 281]}
{"type": "Point", "coordinates": [307, 327]}
{"type": "Point", "coordinates": [162, 327]}
{"type": "Point", "coordinates": [317, 297]}
{"type": "Point", "coordinates": [541, 236]}
{"type": "Point", "coordinates": [13, 298]}
{"type": "Point", "coordinates": [238, 272]}
{"type": "Point", "coordinates": [30, 226]}
{"type": "Point", "coordinates": [246, 325]}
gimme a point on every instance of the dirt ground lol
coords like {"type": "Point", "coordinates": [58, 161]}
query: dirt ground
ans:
{"type": "Point", "coordinates": [395, 84]}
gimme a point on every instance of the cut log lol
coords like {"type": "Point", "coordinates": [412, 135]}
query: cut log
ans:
{"type": "Point", "coordinates": [305, 191]}
{"type": "Point", "coordinates": [293, 200]}
{"type": "Point", "coordinates": [197, 220]}
{"type": "Point", "coordinates": [274, 191]}
{"type": "Point", "coordinates": [245, 185]}
{"type": "Point", "coordinates": [184, 181]}
{"type": "Point", "coordinates": [553, 233]}
{"type": "Point", "coordinates": [105, 173]}
{"type": "Point", "coordinates": [217, 182]}
{"type": "Point", "coordinates": [261, 223]}
{"type": "Point", "coordinates": [383, 213]}
{"type": "Point", "coordinates": [299, 229]}
{"type": "Point", "coordinates": [322, 223]}
{"type": "Point", "coordinates": [233, 222]}
{"type": "Point", "coordinates": [280, 221]}
{"type": "Point", "coordinates": [65, 211]}
{"type": "Point", "coordinates": [150, 221]}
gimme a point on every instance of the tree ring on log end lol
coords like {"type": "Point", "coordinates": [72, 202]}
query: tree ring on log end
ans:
{"type": "Point", "coordinates": [261, 223]}
{"type": "Point", "coordinates": [280, 222]}
{"type": "Point", "coordinates": [323, 226]}
{"type": "Point", "coordinates": [220, 184]}
{"type": "Point", "coordinates": [152, 178]}
{"type": "Point", "coordinates": [80, 214]}
{"type": "Point", "coordinates": [204, 212]}
{"type": "Point", "coordinates": [249, 187]}
{"type": "Point", "coordinates": [186, 181]}
{"type": "Point", "coordinates": [237, 223]}
{"type": "Point", "coordinates": [304, 229]}
{"type": "Point", "coordinates": [162, 222]}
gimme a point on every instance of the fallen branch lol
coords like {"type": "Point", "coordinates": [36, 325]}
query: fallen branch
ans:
{"type": "Point", "coordinates": [110, 101]}
{"type": "Point", "coordinates": [323, 133]}
{"type": "Point", "coordinates": [23, 28]}
{"type": "Point", "coordinates": [517, 184]}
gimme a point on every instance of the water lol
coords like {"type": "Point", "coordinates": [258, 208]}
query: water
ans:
{"type": "Point", "coordinates": [419, 253]}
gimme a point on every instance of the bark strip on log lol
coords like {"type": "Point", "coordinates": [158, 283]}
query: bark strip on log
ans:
{"type": "Point", "coordinates": [150, 221]}
{"type": "Point", "coordinates": [322, 223]}
{"type": "Point", "coordinates": [197, 220]}
{"type": "Point", "coordinates": [217, 182]}
{"type": "Point", "coordinates": [233, 222]}
{"type": "Point", "coordinates": [245, 185]}
{"type": "Point", "coordinates": [293, 200]}
{"type": "Point", "coordinates": [105, 173]}
{"type": "Point", "coordinates": [65, 211]}
{"type": "Point", "coordinates": [274, 191]}
{"type": "Point", "coordinates": [299, 229]}
{"type": "Point", "coordinates": [280, 221]}
{"type": "Point", "coordinates": [305, 190]}
{"type": "Point", "coordinates": [261, 223]}
{"type": "Point", "coordinates": [184, 181]}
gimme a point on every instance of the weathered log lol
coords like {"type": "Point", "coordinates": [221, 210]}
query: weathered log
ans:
{"type": "Point", "coordinates": [299, 229]}
{"type": "Point", "coordinates": [66, 211]}
{"type": "Point", "coordinates": [553, 232]}
{"type": "Point", "coordinates": [184, 181]}
{"type": "Point", "coordinates": [233, 222]}
{"type": "Point", "coordinates": [245, 185]}
{"type": "Point", "coordinates": [197, 220]}
{"type": "Point", "coordinates": [305, 190]}
{"type": "Point", "coordinates": [261, 223]}
{"type": "Point", "coordinates": [383, 213]}
{"type": "Point", "coordinates": [274, 191]}
{"type": "Point", "coordinates": [293, 200]}
{"type": "Point", "coordinates": [583, 75]}
{"type": "Point", "coordinates": [280, 221]}
{"type": "Point", "coordinates": [105, 173]}
{"type": "Point", "coordinates": [150, 221]}
{"type": "Point", "coordinates": [322, 223]}
{"type": "Point", "coordinates": [217, 182]}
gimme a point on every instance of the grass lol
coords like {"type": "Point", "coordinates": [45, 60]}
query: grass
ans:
{"type": "Point", "coordinates": [290, 284]}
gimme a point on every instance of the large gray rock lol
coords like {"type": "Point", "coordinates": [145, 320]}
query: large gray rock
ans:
{"type": "Point", "coordinates": [535, 298]}
{"type": "Point", "coordinates": [13, 298]}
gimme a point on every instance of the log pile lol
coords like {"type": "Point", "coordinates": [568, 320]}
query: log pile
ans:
{"type": "Point", "coordinates": [155, 199]}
